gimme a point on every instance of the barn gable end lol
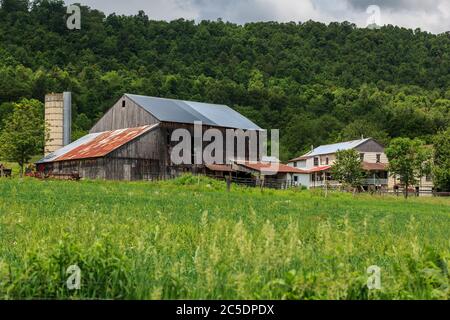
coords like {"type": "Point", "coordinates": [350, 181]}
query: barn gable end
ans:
{"type": "Point", "coordinates": [122, 116]}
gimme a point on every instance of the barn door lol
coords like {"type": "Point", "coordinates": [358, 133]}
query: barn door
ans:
{"type": "Point", "coordinates": [127, 172]}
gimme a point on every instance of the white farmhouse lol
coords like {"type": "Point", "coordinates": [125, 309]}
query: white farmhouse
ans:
{"type": "Point", "coordinates": [317, 163]}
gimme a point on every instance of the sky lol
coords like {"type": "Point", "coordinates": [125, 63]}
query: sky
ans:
{"type": "Point", "coordinates": [429, 15]}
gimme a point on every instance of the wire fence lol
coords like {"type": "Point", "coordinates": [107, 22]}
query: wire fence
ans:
{"type": "Point", "coordinates": [254, 182]}
{"type": "Point", "coordinates": [266, 182]}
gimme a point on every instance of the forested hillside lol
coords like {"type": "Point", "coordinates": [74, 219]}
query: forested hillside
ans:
{"type": "Point", "coordinates": [317, 83]}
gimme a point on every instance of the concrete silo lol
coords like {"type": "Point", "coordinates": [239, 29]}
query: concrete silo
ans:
{"type": "Point", "coordinates": [58, 118]}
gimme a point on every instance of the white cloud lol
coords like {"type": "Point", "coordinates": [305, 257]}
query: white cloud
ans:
{"type": "Point", "coordinates": [430, 15]}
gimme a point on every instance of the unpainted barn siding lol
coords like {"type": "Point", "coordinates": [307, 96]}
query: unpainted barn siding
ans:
{"type": "Point", "coordinates": [119, 117]}
{"type": "Point", "coordinates": [131, 169]}
{"type": "Point", "coordinates": [109, 168]}
{"type": "Point", "coordinates": [149, 146]}
{"type": "Point", "coordinates": [137, 160]}
{"type": "Point", "coordinates": [167, 128]}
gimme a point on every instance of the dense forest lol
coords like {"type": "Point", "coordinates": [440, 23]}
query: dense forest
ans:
{"type": "Point", "coordinates": [317, 83]}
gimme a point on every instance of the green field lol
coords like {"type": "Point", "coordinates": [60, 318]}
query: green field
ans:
{"type": "Point", "coordinates": [189, 238]}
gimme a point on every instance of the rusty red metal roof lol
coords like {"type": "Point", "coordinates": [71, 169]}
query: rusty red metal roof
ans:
{"type": "Point", "coordinates": [317, 169]}
{"type": "Point", "coordinates": [220, 167]}
{"type": "Point", "coordinates": [270, 167]}
{"type": "Point", "coordinates": [99, 144]}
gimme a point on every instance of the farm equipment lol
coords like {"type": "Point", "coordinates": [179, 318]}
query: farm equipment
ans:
{"type": "Point", "coordinates": [56, 176]}
{"type": "Point", "coordinates": [32, 172]}
{"type": "Point", "coordinates": [4, 172]}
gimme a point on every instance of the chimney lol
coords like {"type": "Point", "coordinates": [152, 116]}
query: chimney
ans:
{"type": "Point", "coordinates": [58, 118]}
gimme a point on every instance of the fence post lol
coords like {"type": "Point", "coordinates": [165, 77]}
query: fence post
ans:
{"type": "Point", "coordinates": [228, 179]}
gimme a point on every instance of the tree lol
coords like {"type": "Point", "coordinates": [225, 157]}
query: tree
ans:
{"type": "Point", "coordinates": [408, 160]}
{"type": "Point", "coordinates": [441, 168]}
{"type": "Point", "coordinates": [23, 134]}
{"type": "Point", "coordinates": [14, 5]}
{"type": "Point", "coordinates": [358, 128]}
{"type": "Point", "coordinates": [256, 81]}
{"type": "Point", "coordinates": [347, 168]}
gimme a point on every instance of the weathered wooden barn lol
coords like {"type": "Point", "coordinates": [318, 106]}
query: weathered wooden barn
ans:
{"type": "Point", "coordinates": [132, 141]}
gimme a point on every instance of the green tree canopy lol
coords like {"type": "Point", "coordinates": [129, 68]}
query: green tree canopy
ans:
{"type": "Point", "coordinates": [23, 136]}
{"type": "Point", "coordinates": [347, 168]}
{"type": "Point", "coordinates": [441, 169]}
{"type": "Point", "coordinates": [408, 159]}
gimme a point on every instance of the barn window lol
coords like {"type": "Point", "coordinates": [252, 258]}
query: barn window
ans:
{"type": "Point", "coordinates": [123, 104]}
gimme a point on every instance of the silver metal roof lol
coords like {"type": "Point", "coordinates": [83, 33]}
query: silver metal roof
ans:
{"type": "Point", "coordinates": [171, 110]}
{"type": "Point", "coordinates": [333, 148]}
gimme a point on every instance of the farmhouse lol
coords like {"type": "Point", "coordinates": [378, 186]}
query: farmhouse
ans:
{"type": "Point", "coordinates": [316, 164]}
{"type": "Point", "coordinates": [134, 140]}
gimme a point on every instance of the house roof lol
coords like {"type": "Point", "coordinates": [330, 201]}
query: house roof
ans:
{"type": "Point", "coordinates": [171, 110]}
{"type": "Point", "coordinates": [299, 158]}
{"type": "Point", "coordinates": [270, 167]}
{"type": "Point", "coordinates": [316, 169]}
{"type": "Point", "coordinates": [96, 145]}
{"type": "Point", "coordinates": [333, 148]}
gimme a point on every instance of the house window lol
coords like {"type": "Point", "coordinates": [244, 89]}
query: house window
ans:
{"type": "Point", "coordinates": [327, 161]}
{"type": "Point", "coordinates": [295, 164]}
{"type": "Point", "coordinates": [361, 156]}
{"type": "Point", "coordinates": [301, 164]}
{"type": "Point", "coordinates": [295, 178]}
{"type": "Point", "coordinates": [378, 158]}
{"type": "Point", "coordinates": [316, 161]}
{"type": "Point", "coordinates": [123, 103]}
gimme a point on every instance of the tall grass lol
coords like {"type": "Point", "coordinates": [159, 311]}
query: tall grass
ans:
{"type": "Point", "coordinates": [189, 238]}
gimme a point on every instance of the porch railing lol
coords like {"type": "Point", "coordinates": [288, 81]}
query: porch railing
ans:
{"type": "Point", "coordinates": [319, 183]}
{"type": "Point", "coordinates": [375, 181]}
{"type": "Point", "coordinates": [365, 182]}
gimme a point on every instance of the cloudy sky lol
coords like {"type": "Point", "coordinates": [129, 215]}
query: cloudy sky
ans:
{"type": "Point", "coordinates": [430, 15]}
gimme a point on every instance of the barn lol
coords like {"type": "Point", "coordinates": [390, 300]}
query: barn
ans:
{"type": "Point", "coordinates": [132, 141]}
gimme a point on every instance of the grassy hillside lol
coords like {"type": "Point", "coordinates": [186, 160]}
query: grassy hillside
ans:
{"type": "Point", "coordinates": [189, 238]}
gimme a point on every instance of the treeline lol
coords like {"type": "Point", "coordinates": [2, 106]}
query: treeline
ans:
{"type": "Point", "coordinates": [317, 83]}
